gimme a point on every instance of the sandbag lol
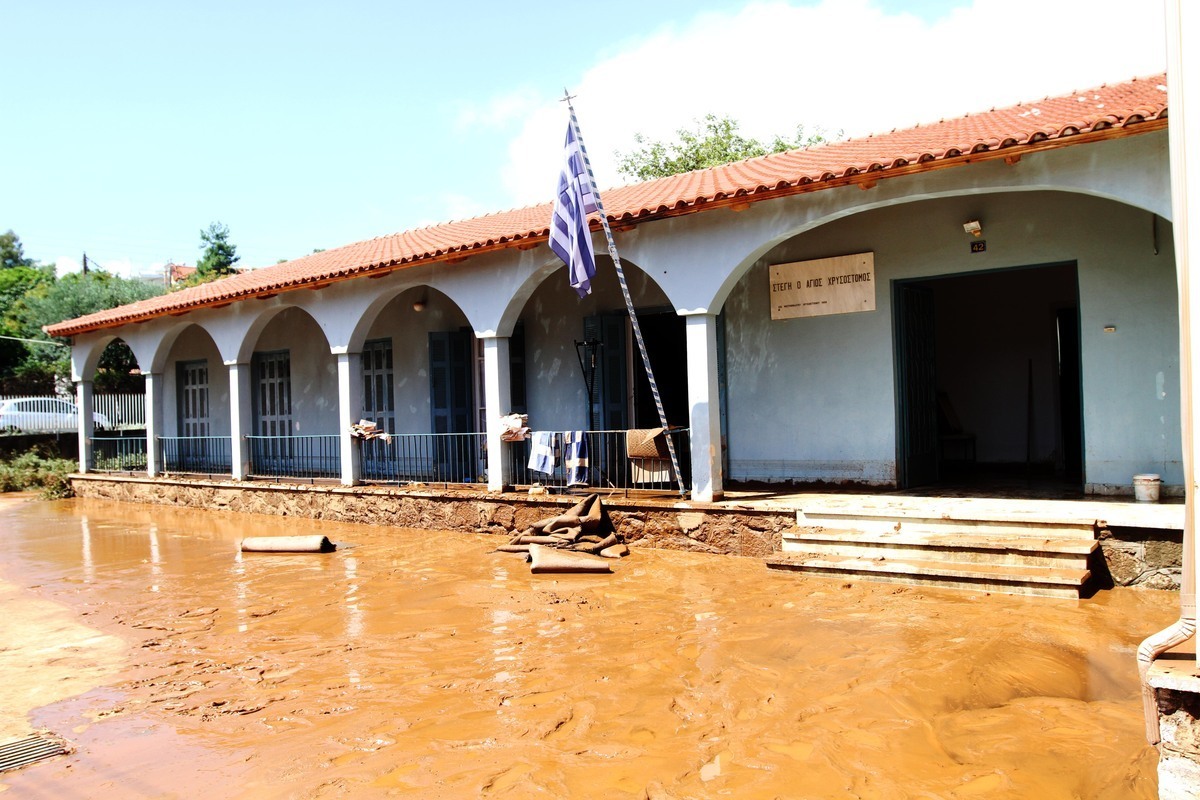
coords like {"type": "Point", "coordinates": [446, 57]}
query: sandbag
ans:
{"type": "Point", "coordinates": [287, 544]}
{"type": "Point", "coordinates": [528, 538]}
{"type": "Point", "coordinates": [548, 559]}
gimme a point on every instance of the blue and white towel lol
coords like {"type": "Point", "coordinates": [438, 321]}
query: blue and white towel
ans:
{"type": "Point", "coordinates": [575, 457]}
{"type": "Point", "coordinates": [541, 452]}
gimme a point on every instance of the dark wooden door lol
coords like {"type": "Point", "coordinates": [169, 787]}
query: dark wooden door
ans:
{"type": "Point", "coordinates": [917, 434]}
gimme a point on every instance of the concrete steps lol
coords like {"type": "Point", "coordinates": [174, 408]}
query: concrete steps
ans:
{"type": "Point", "coordinates": [959, 546]}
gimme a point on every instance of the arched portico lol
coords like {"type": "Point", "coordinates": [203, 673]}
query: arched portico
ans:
{"type": "Point", "coordinates": [699, 258]}
{"type": "Point", "coordinates": [830, 384]}
{"type": "Point", "coordinates": [696, 266]}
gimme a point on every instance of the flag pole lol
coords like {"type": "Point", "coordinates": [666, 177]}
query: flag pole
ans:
{"type": "Point", "coordinates": [637, 328]}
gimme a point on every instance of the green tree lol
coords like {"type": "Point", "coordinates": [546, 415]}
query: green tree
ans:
{"type": "Point", "coordinates": [71, 296]}
{"type": "Point", "coordinates": [19, 276]}
{"type": "Point", "coordinates": [219, 254]}
{"type": "Point", "coordinates": [12, 254]}
{"type": "Point", "coordinates": [713, 141]}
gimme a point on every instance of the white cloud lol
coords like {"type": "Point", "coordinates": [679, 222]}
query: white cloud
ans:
{"type": "Point", "coordinates": [840, 65]}
{"type": "Point", "coordinates": [64, 265]}
{"type": "Point", "coordinates": [500, 111]}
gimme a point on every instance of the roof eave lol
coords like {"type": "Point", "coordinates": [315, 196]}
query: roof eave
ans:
{"type": "Point", "coordinates": [737, 201]}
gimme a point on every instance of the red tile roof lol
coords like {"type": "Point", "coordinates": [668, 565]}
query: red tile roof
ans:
{"type": "Point", "coordinates": [1106, 112]}
{"type": "Point", "coordinates": [178, 272]}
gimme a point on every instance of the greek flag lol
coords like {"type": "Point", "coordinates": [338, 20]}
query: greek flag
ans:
{"type": "Point", "coordinates": [570, 238]}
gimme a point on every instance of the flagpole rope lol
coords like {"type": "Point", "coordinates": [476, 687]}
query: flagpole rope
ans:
{"type": "Point", "coordinates": [637, 328]}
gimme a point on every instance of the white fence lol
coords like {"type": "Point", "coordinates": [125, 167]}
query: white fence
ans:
{"type": "Point", "coordinates": [59, 414]}
{"type": "Point", "coordinates": [124, 411]}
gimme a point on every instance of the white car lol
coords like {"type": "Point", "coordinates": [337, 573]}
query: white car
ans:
{"type": "Point", "coordinates": [44, 415]}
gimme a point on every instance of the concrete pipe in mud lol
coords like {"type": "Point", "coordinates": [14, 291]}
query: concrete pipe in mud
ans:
{"type": "Point", "coordinates": [287, 544]}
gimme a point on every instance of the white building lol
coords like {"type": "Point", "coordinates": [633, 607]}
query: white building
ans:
{"type": "Point", "coordinates": [1049, 342]}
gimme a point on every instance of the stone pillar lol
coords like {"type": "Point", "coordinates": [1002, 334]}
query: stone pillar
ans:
{"type": "Point", "coordinates": [83, 402]}
{"type": "Point", "coordinates": [154, 422]}
{"type": "Point", "coordinates": [1177, 693]}
{"type": "Point", "coordinates": [497, 394]}
{"type": "Point", "coordinates": [350, 409]}
{"type": "Point", "coordinates": [241, 418]}
{"type": "Point", "coordinates": [704, 404]}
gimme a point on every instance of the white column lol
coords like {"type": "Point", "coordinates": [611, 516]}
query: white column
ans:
{"type": "Point", "coordinates": [154, 422]}
{"type": "Point", "coordinates": [83, 402]}
{"type": "Point", "coordinates": [1183, 69]}
{"type": "Point", "coordinates": [704, 403]}
{"type": "Point", "coordinates": [240, 418]}
{"type": "Point", "coordinates": [497, 394]}
{"type": "Point", "coordinates": [350, 409]}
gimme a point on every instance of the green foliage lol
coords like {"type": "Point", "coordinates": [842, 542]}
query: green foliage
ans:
{"type": "Point", "coordinates": [71, 296]}
{"type": "Point", "coordinates": [34, 470]}
{"type": "Point", "coordinates": [713, 141]}
{"type": "Point", "coordinates": [17, 282]}
{"type": "Point", "coordinates": [219, 254]}
{"type": "Point", "coordinates": [30, 377]}
{"type": "Point", "coordinates": [31, 296]}
{"type": "Point", "coordinates": [19, 277]}
{"type": "Point", "coordinates": [12, 254]}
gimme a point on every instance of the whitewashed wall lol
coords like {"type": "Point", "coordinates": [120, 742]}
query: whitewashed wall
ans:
{"type": "Point", "coordinates": [196, 345]}
{"type": "Point", "coordinates": [814, 399]}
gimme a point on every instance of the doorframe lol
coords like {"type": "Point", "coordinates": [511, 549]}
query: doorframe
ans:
{"type": "Point", "coordinates": [897, 355]}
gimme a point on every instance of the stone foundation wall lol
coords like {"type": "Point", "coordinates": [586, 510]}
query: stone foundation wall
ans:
{"type": "Point", "coordinates": [1146, 558]}
{"type": "Point", "coordinates": [1179, 751]}
{"type": "Point", "coordinates": [655, 524]}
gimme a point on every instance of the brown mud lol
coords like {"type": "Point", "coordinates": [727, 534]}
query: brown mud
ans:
{"type": "Point", "coordinates": [422, 664]}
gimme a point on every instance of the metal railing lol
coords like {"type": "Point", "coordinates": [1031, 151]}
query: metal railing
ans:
{"type": "Point", "coordinates": [119, 454]}
{"type": "Point", "coordinates": [317, 456]}
{"type": "Point", "coordinates": [609, 465]}
{"type": "Point", "coordinates": [197, 455]}
{"type": "Point", "coordinates": [425, 458]}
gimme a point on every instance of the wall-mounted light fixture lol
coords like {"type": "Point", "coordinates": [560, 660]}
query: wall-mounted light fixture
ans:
{"type": "Point", "coordinates": [419, 305]}
{"type": "Point", "coordinates": [973, 227]}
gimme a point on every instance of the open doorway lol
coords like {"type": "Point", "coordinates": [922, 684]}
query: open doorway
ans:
{"type": "Point", "coordinates": [621, 396]}
{"type": "Point", "coordinates": [666, 344]}
{"type": "Point", "coordinates": [988, 377]}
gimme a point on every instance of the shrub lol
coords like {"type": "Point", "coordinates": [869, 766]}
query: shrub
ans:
{"type": "Point", "coordinates": [33, 470]}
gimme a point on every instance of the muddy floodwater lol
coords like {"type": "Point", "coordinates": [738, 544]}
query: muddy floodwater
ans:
{"type": "Point", "coordinates": [421, 664]}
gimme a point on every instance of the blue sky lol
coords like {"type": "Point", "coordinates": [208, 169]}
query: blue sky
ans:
{"type": "Point", "coordinates": [132, 126]}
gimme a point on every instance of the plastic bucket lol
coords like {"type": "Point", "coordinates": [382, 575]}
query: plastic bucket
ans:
{"type": "Point", "coordinates": [1145, 488]}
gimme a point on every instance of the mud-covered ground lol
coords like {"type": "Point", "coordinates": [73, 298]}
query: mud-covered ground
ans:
{"type": "Point", "coordinates": [421, 664]}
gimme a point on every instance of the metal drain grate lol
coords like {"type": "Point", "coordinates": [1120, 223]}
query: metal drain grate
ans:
{"type": "Point", "coordinates": [27, 751]}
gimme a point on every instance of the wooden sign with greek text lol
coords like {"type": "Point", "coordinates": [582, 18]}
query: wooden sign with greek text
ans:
{"type": "Point", "coordinates": [838, 285]}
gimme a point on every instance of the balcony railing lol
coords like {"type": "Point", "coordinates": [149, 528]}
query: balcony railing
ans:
{"type": "Point", "coordinates": [119, 454]}
{"type": "Point", "coordinates": [429, 458]}
{"type": "Point", "coordinates": [196, 455]}
{"type": "Point", "coordinates": [317, 456]}
{"type": "Point", "coordinates": [609, 465]}
{"type": "Point", "coordinates": [432, 458]}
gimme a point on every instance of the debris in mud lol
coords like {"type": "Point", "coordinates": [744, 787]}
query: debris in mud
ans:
{"type": "Point", "coordinates": [544, 559]}
{"type": "Point", "coordinates": [287, 544]}
{"type": "Point", "coordinates": [582, 539]}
